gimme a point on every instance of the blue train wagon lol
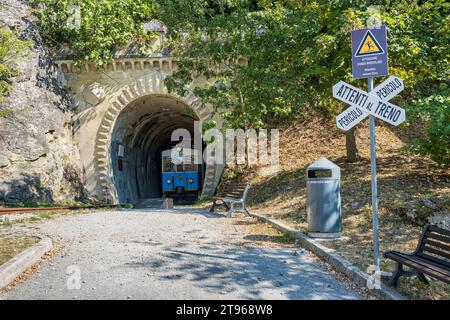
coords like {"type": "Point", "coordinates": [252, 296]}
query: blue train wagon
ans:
{"type": "Point", "coordinates": [180, 175]}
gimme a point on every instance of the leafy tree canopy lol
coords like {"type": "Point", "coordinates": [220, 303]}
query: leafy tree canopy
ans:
{"type": "Point", "coordinates": [93, 29]}
{"type": "Point", "coordinates": [264, 60]}
{"type": "Point", "coordinates": [295, 50]}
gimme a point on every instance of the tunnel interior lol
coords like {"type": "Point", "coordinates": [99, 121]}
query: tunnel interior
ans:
{"type": "Point", "coordinates": [142, 131]}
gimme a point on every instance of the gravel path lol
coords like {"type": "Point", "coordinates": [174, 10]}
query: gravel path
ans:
{"type": "Point", "coordinates": [169, 254]}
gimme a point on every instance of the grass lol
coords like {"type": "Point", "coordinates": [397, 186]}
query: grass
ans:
{"type": "Point", "coordinates": [201, 202]}
{"type": "Point", "coordinates": [42, 204]}
{"type": "Point", "coordinates": [48, 214]}
{"type": "Point", "coordinates": [11, 246]}
{"type": "Point", "coordinates": [51, 204]}
{"type": "Point", "coordinates": [4, 113]}
{"type": "Point", "coordinates": [405, 184]}
{"type": "Point", "coordinates": [44, 215]}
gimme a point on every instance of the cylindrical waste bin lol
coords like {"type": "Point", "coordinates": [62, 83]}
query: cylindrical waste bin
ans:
{"type": "Point", "coordinates": [324, 199]}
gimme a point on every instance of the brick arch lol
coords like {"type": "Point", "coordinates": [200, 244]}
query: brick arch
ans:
{"type": "Point", "coordinates": [148, 85]}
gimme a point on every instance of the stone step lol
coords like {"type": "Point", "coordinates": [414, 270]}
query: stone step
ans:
{"type": "Point", "coordinates": [155, 203]}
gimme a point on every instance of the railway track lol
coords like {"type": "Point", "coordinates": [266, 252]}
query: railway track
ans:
{"type": "Point", "coordinates": [18, 210]}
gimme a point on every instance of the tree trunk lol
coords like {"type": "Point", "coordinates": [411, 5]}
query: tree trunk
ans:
{"type": "Point", "coordinates": [350, 145]}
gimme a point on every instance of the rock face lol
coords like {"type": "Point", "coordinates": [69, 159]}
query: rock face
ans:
{"type": "Point", "coordinates": [38, 159]}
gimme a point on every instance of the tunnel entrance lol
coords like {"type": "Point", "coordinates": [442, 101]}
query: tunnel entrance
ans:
{"type": "Point", "coordinates": [142, 131]}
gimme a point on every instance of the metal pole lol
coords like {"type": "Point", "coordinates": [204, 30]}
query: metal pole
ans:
{"type": "Point", "coordinates": [373, 162]}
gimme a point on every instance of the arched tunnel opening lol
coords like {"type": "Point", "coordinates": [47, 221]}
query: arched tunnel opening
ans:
{"type": "Point", "coordinates": [141, 133]}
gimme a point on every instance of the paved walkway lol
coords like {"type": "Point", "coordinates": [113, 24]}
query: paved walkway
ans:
{"type": "Point", "coordinates": [170, 254]}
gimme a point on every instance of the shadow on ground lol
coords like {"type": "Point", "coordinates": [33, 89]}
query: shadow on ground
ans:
{"type": "Point", "coordinates": [246, 272]}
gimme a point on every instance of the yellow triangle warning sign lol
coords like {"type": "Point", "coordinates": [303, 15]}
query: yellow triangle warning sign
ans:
{"type": "Point", "coordinates": [369, 46]}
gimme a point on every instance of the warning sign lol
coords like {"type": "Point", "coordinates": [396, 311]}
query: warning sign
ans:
{"type": "Point", "coordinates": [364, 102]}
{"type": "Point", "coordinates": [369, 46]}
{"type": "Point", "coordinates": [369, 52]}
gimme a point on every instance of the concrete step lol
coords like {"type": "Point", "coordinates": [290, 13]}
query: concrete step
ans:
{"type": "Point", "coordinates": [155, 203]}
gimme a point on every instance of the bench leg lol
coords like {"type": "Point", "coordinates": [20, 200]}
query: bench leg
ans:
{"type": "Point", "coordinates": [422, 278]}
{"type": "Point", "coordinates": [246, 211]}
{"type": "Point", "coordinates": [230, 210]}
{"type": "Point", "coordinates": [213, 206]}
{"type": "Point", "coordinates": [398, 273]}
{"type": "Point", "coordinates": [226, 205]}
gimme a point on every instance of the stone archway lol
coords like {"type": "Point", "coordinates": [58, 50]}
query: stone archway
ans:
{"type": "Point", "coordinates": [103, 95]}
{"type": "Point", "coordinates": [142, 131]}
{"type": "Point", "coordinates": [147, 86]}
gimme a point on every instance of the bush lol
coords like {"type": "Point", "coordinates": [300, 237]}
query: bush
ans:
{"type": "Point", "coordinates": [11, 48]}
{"type": "Point", "coordinates": [435, 110]}
{"type": "Point", "coordinates": [93, 29]}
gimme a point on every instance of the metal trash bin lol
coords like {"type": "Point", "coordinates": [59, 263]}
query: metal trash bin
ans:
{"type": "Point", "coordinates": [324, 199]}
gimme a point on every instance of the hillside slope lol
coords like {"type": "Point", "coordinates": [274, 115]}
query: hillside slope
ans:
{"type": "Point", "coordinates": [411, 192]}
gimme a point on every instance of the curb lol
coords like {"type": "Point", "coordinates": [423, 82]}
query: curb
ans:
{"type": "Point", "coordinates": [21, 262]}
{"type": "Point", "coordinates": [330, 256]}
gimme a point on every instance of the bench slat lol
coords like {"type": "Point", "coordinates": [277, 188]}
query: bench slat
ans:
{"type": "Point", "coordinates": [439, 230]}
{"type": "Point", "coordinates": [437, 244]}
{"type": "Point", "coordinates": [227, 199]}
{"type": "Point", "coordinates": [438, 237]}
{"type": "Point", "coordinates": [433, 263]}
{"type": "Point", "coordinates": [232, 194]}
{"type": "Point", "coordinates": [403, 258]}
{"type": "Point", "coordinates": [236, 185]}
{"type": "Point", "coordinates": [234, 190]}
{"type": "Point", "coordinates": [434, 258]}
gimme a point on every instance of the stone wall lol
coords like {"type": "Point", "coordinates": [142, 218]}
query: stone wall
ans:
{"type": "Point", "coordinates": [38, 158]}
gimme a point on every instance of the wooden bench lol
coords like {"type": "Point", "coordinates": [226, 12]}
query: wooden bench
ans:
{"type": "Point", "coordinates": [233, 194]}
{"type": "Point", "coordinates": [432, 257]}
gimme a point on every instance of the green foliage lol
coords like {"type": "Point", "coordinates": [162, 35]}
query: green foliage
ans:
{"type": "Point", "coordinates": [43, 204]}
{"type": "Point", "coordinates": [295, 51]}
{"type": "Point", "coordinates": [102, 27]}
{"type": "Point", "coordinates": [435, 110]}
{"type": "Point", "coordinates": [11, 49]}
{"type": "Point", "coordinates": [418, 40]}
{"type": "Point", "coordinates": [265, 60]}
{"type": "Point", "coordinates": [4, 113]}
{"type": "Point", "coordinates": [51, 204]}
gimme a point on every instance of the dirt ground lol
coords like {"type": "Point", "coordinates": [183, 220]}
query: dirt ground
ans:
{"type": "Point", "coordinates": [181, 253]}
{"type": "Point", "coordinates": [11, 245]}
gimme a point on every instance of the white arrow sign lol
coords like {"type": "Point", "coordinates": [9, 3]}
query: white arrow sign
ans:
{"type": "Point", "coordinates": [385, 91]}
{"type": "Point", "coordinates": [363, 102]}
{"type": "Point", "coordinates": [350, 118]}
{"type": "Point", "coordinates": [390, 87]}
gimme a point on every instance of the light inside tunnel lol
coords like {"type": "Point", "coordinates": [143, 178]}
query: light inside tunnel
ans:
{"type": "Point", "coordinates": [142, 131]}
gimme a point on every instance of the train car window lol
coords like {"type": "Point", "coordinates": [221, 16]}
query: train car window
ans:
{"type": "Point", "coordinates": [167, 164]}
{"type": "Point", "coordinates": [190, 167]}
{"type": "Point", "coordinates": [190, 164]}
{"type": "Point", "coordinates": [120, 164]}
